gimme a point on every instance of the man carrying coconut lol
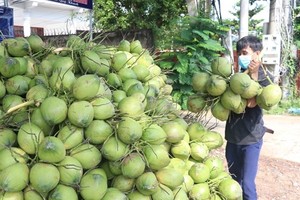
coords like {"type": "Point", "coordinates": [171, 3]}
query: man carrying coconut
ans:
{"type": "Point", "coordinates": [244, 132]}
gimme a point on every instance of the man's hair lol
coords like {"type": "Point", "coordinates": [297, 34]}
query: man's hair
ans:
{"type": "Point", "coordinates": [252, 41]}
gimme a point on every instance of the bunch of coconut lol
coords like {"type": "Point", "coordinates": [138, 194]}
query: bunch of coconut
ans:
{"type": "Point", "coordinates": [92, 122]}
{"type": "Point", "coordinates": [222, 91]}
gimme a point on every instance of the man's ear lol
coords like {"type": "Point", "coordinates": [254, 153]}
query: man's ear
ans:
{"type": "Point", "coordinates": [261, 54]}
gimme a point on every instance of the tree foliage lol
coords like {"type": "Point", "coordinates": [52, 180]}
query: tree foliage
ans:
{"type": "Point", "coordinates": [110, 15]}
{"type": "Point", "coordinates": [297, 26]}
{"type": "Point", "coordinates": [197, 43]}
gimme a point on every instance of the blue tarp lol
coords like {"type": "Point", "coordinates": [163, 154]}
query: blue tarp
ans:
{"type": "Point", "coordinates": [6, 22]}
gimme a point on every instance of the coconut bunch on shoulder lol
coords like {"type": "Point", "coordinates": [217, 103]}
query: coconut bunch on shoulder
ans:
{"type": "Point", "coordinates": [222, 91]}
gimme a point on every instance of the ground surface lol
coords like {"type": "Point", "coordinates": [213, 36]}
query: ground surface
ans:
{"type": "Point", "coordinates": [279, 166]}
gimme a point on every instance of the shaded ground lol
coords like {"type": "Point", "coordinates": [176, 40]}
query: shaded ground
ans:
{"type": "Point", "coordinates": [278, 176]}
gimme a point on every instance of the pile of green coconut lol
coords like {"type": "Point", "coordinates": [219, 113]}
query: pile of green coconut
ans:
{"type": "Point", "coordinates": [94, 122]}
{"type": "Point", "coordinates": [222, 91]}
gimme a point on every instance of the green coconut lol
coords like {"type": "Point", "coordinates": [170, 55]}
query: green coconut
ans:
{"type": "Point", "coordinates": [129, 130]}
{"type": "Point", "coordinates": [157, 156]}
{"type": "Point", "coordinates": [123, 183]}
{"type": "Point", "coordinates": [10, 101]}
{"type": "Point", "coordinates": [221, 66]}
{"type": "Point", "coordinates": [199, 151]}
{"type": "Point", "coordinates": [14, 178]}
{"type": "Point", "coordinates": [200, 191]}
{"type": "Point", "coordinates": [163, 192]}
{"type": "Point", "coordinates": [136, 88]}
{"type": "Point", "coordinates": [54, 110]}
{"type": "Point", "coordinates": [136, 195]}
{"type": "Point", "coordinates": [114, 149]}
{"type": "Point", "coordinates": [124, 45]}
{"type": "Point", "coordinates": [142, 72]}
{"type": "Point", "coordinates": [175, 131]}
{"type": "Point", "coordinates": [75, 41]}
{"type": "Point", "coordinates": [104, 67]}
{"type": "Point", "coordinates": [31, 193]}
{"type": "Point", "coordinates": [17, 47]}
{"type": "Point", "coordinates": [230, 189]}
{"type": "Point", "coordinates": [88, 155]}
{"type": "Point", "coordinates": [2, 89]}
{"type": "Point", "coordinates": [172, 178]}
{"type": "Point", "coordinates": [121, 59]}
{"type": "Point", "coordinates": [216, 85]}
{"type": "Point", "coordinates": [10, 156]}
{"type": "Point", "coordinates": [37, 119]}
{"type": "Point", "coordinates": [98, 131]}
{"type": "Point", "coordinates": [133, 165]}
{"type": "Point", "coordinates": [63, 192]}
{"type": "Point", "coordinates": [25, 65]}
{"type": "Point", "coordinates": [86, 87]}
{"type": "Point", "coordinates": [240, 82]}
{"type": "Point", "coordinates": [71, 136]}
{"type": "Point", "coordinates": [11, 195]}
{"type": "Point", "coordinates": [114, 80]}
{"type": "Point", "coordinates": [93, 184]}
{"type": "Point", "coordinates": [62, 82]}
{"type": "Point", "coordinates": [63, 64]}
{"type": "Point", "coordinates": [131, 107]}
{"type": "Point", "coordinates": [154, 134]}
{"type": "Point", "coordinates": [270, 96]}
{"type": "Point", "coordinates": [241, 108]}
{"type": "Point", "coordinates": [230, 100]}
{"type": "Point", "coordinates": [196, 103]}
{"type": "Point", "coordinates": [90, 61]}
{"type": "Point", "coordinates": [70, 171]}
{"type": "Point", "coordinates": [147, 183]}
{"type": "Point", "coordinates": [7, 138]}
{"type": "Point", "coordinates": [220, 112]}
{"type": "Point", "coordinates": [199, 172]}
{"type": "Point", "coordinates": [18, 85]}
{"type": "Point", "coordinates": [114, 193]}
{"type": "Point", "coordinates": [181, 150]}
{"type": "Point", "coordinates": [196, 130]}
{"type": "Point", "coordinates": [136, 47]}
{"type": "Point", "coordinates": [199, 81]}
{"type": "Point", "coordinates": [10, 67]}
{"type": "Point", "coordinates": [212, 139]}
{"type": "Point", "coordinates": [36, 43]}
{"type": "Point", "coordinates": [51, 150]}
{"type": "Point", "coordinates": [44, 177]}
{"type": "Point", "coordinates": [29, 137]}
{"type": "Point", "coordinates": [81, 113]}
{"type": "Point", "coordinates": [253, 90]}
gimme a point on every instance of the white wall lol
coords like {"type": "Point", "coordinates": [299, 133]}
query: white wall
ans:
{"type": "Point", "coordinates": [53, 17]}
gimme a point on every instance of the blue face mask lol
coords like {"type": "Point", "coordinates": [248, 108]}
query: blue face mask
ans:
{"type": "Point", "coordinates": [244, 61]}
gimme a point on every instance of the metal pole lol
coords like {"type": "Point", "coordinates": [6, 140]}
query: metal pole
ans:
{"type": "Point", "coordinates": [244, 16]}
{"type": "Point", "coordinates": [6, 3]}
{"type": "Point", "coordinates": [91, 24]}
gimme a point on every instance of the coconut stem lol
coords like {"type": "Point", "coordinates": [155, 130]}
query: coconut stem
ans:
{"type": "Point", "coordinates": [27, 103]}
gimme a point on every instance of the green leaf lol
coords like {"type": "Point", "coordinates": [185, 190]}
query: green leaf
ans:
{"type": "Point", "coordinates": [183, 59]}
{"type": "Point", "coordinates": [186, 35]}
{"type": "Point", "coordinates": [203, 35]}
{"type": "Point", "coordinates": [184, 79]}
{"type": "Point", "coordinates": [211, 45]}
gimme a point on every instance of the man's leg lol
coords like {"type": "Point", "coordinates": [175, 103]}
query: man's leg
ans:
{"type": "Point", "coordinates": [251, 157]}
{"type": "Point", "coordinates": [234, 161]}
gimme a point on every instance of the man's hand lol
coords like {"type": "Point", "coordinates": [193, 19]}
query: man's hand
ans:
{"type": "Point", "coordinates": [251, 102]}
{"type": "Point", "coordinates": [253, 69]}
